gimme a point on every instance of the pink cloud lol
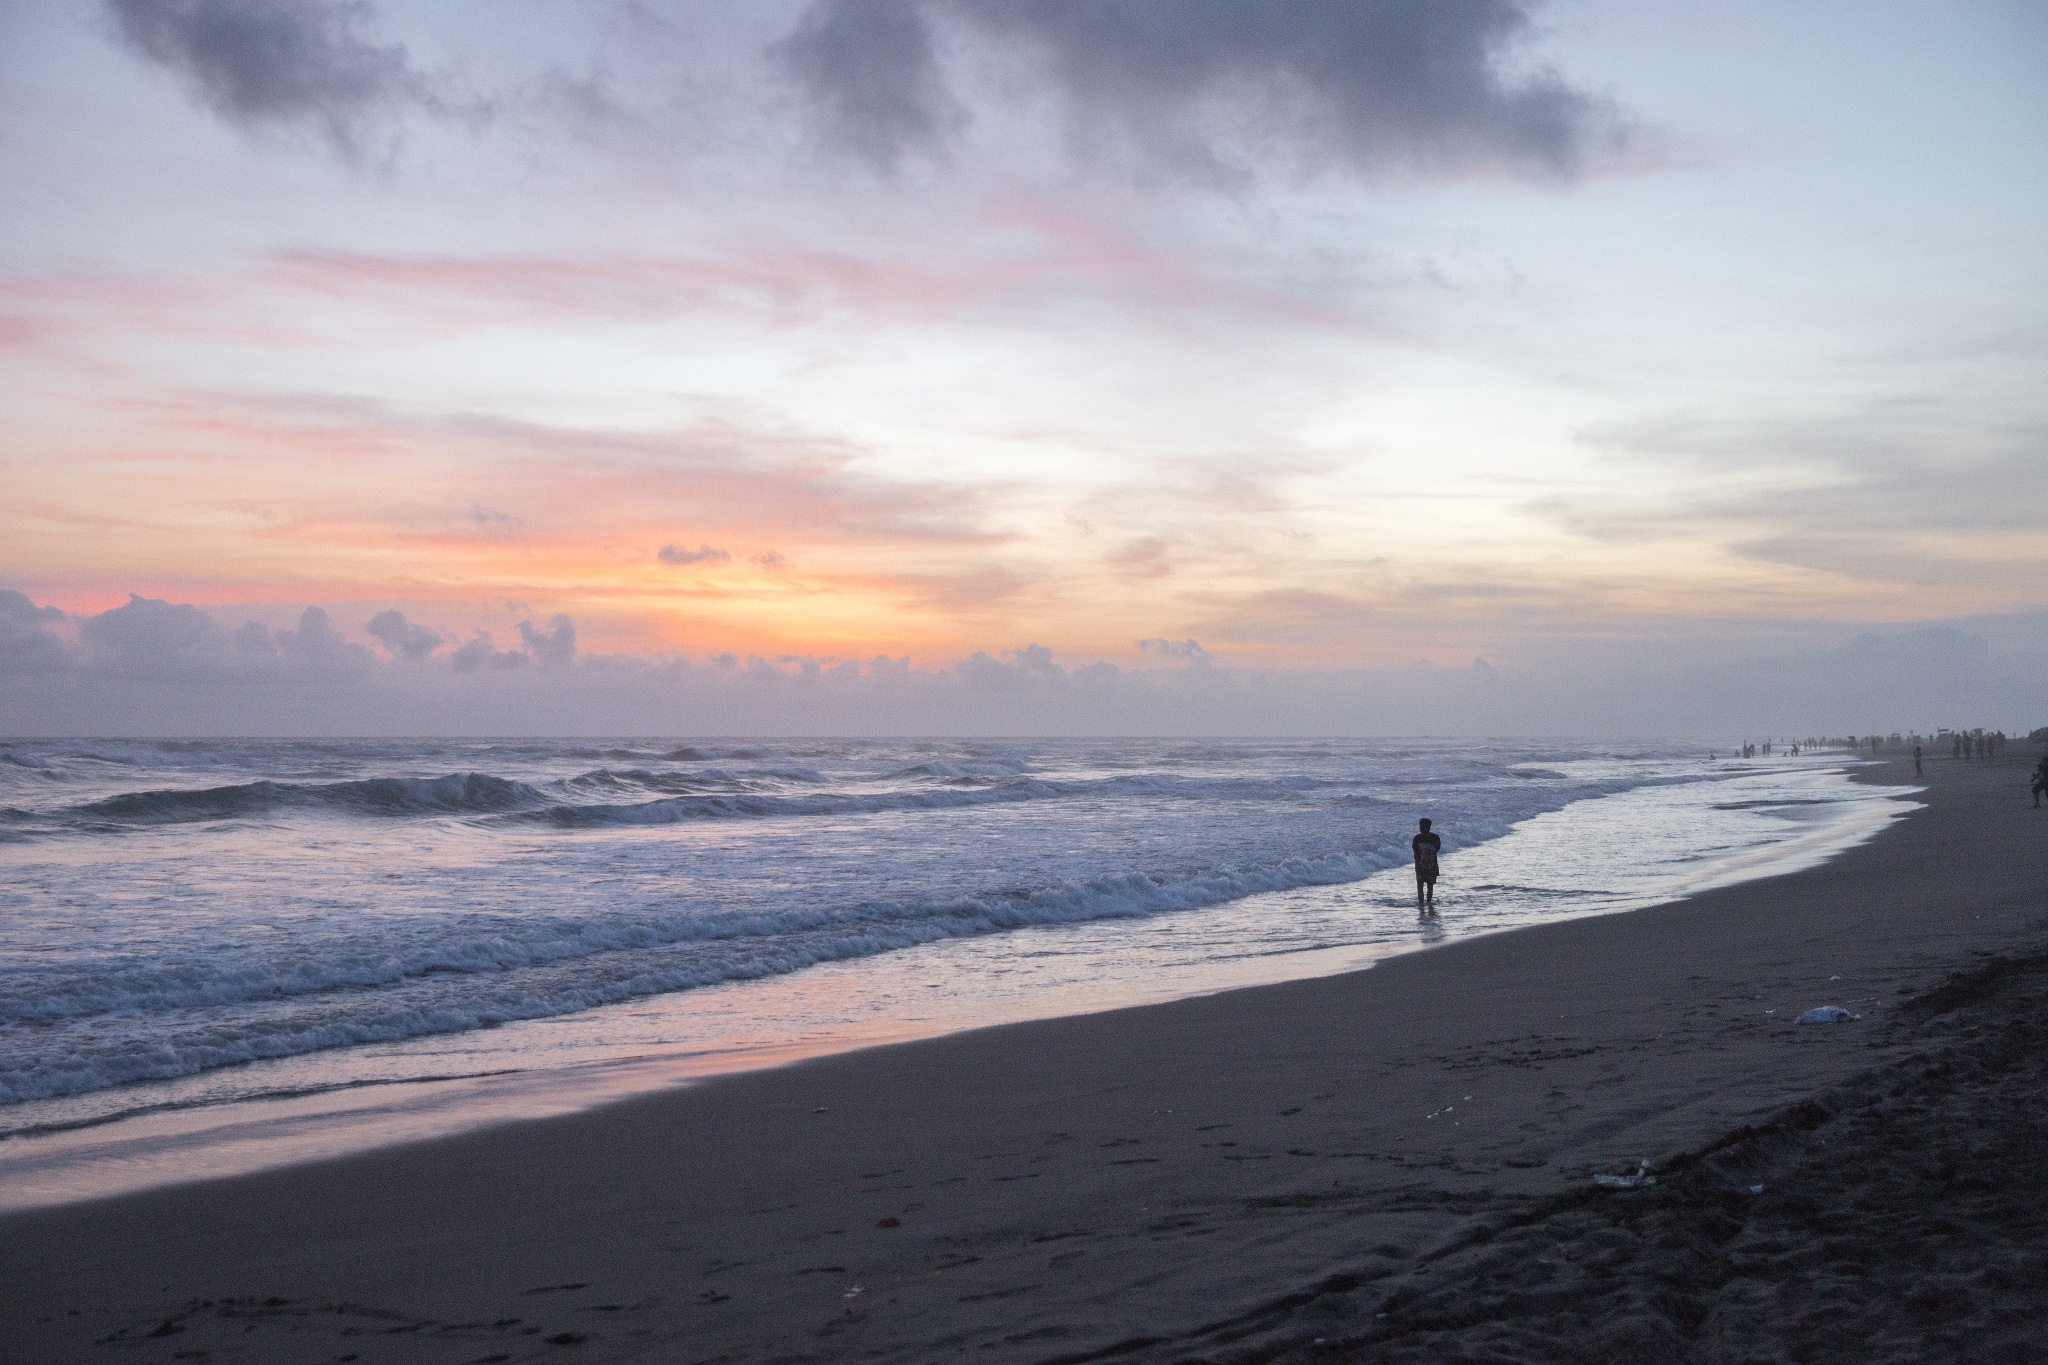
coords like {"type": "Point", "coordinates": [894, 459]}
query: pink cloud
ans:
{"type": "Point", "coordinates": [71, 308]}
{"type": "Point", "coordinates": [1041, 253]}
{"type": "Point", "coordinates": [352, 470]}
{"type": "Point", "coordinates": [1022, 255]}
{"type": "Point", "coordinates": [340, 502]}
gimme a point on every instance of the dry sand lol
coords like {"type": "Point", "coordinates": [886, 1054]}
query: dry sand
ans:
{"type": "Point", "coordinates": [1391, 1165]}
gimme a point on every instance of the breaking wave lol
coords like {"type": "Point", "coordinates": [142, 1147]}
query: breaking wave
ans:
{"type": "Point", "coordinates": [169, 908]}
{"type": "Point", "coordinates": [622, 798]}
{"type": "Point", "coordinates": [527, 968]}
{"type": "Point", "coordinates": [458, 793]}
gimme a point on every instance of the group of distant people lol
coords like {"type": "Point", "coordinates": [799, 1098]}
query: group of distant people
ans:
{"type": "Point", "coordinates": [1978, 745]}
{"type": "Point", "coordinates": [1982, 746]}
{"type": "Point", "coordinates": [1986, 746]}
{"type": "Point", "coordinates": [1428, 846]}
{"type": "Point", "coordinates": [1767, 748]}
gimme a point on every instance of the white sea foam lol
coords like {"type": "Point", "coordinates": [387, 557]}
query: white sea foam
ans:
{"type": "Point", "coordinates": [598, 963]}
{"type": "Point", "coordinates": [174, 909]}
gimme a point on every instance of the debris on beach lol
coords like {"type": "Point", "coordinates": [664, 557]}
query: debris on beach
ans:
{"type": "Point", "coordinates": [1641, 1178]}
{"type": "Point", "coordinates": [1828, 1014]}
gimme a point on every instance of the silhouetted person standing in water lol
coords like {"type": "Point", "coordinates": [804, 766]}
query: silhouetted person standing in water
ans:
{"type": "Point", "coordinates": [1426, 847]}
{"type": "Point", "coordinates": [1916, 760]}
{"type": "Point", "coordinates": [2040, 782]}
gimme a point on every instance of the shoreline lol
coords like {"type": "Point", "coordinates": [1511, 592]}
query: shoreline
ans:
{"type": "Point", "coordinates": [1060, 1189]}
{"type": "Point", "coordinates": [188, 1134]}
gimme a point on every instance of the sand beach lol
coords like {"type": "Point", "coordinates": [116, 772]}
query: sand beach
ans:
{"type": "Point", "coordinates": [1396, 1164]}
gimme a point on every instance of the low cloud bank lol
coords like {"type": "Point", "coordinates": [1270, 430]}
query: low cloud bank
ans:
{"type": "Point", "coordinates": [151, 667]}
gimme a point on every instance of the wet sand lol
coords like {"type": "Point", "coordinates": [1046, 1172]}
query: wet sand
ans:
{"type": "Point", "coordinates": [1391, 1165]}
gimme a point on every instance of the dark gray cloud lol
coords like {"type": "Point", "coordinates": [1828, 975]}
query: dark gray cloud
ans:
{"type": "Point", "coordinates": [1176, 649]}
{"type": "Point", "coordinates": [495, 524]}
{"type": "Point", "coordinates": [703, 554]}
{"type": "Point", "coordinates": [1216, 91]}
{"type": "Point", "coordinates": [404, 639]}
{"type": "Point", "coordinates": [1218, 88]}
{"type": "Point", "coordinates": [870, 68]}
{"type": "Point", "coordinates": [304, 65]}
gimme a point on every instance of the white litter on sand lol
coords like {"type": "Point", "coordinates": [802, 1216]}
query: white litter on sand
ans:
{"type": "Point", "coordinates": [1641, 1178]}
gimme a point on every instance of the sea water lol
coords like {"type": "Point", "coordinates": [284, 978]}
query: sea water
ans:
{"type": "Point", "coordinates": [218, 955]}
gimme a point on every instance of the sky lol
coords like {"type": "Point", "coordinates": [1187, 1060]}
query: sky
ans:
{"type": "Point", "coordinates": [1022, 366]}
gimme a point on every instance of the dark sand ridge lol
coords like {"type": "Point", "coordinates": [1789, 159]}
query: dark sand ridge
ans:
{"type": "Point", "coordinates": [1226, 1178]}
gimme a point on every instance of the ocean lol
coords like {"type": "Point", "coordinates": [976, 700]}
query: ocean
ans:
{"type": "Point", "coordinates": [217, 955]}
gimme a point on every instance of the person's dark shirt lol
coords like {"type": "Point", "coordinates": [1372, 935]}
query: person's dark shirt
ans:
{"type": "Point", "coordinates": [1431, 841]}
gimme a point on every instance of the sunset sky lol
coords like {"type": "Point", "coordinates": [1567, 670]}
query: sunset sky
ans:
{"type": "Point", "coordinates": [1290, 341]}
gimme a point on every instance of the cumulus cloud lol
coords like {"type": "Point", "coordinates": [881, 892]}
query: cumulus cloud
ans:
{"type": "Point", "coordinates": [254, 641]}
{"type": "Point", "coordinates": [156, 667]}
{"type": "Point", "coordinates": [483, 652]}
{"type": "Point", "coordinates": [148, 635]}
{"type": "Point", "coordinates": [402, 638]}
{"type": "Point", "coordinates": [703, 554]}
{"type": "Point", "coordinates": [149, 640]}
{"type": "Point", "coordinates": [1216, 88]}
{"type": "Point", "coordinates": [302, 65]}
{"type": "Point", "coordinates": [316, 644]}
{"type": "Point", "coordinates": [1029, 668]}
{"type": "Point", "coordinates": [27, 642]}
{"type": "Point", "coordinates": [555, 645]}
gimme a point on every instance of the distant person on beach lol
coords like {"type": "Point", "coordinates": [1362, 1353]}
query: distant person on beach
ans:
{"type": "Point", "coordinates": [1426, 847]}
{"type": "Point", "coordinates": [2040, 781]}
{"type": "Point", "coordinates": [1916, 760]}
